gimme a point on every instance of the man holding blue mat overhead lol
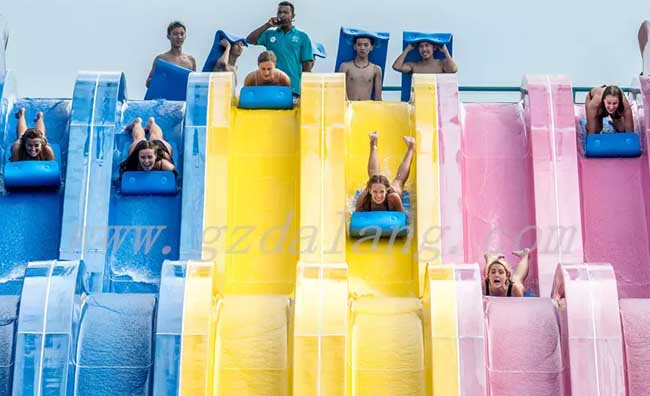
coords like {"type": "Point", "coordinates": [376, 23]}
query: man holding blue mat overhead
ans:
{"type": "Point", "coordinates": [291, 46]}
{"type": "Point", "coordinates": [428, 64]}
{"type": "Point", "coordinates": [176, 34]}
{"type": "Point", "coordinates": [361, 75]}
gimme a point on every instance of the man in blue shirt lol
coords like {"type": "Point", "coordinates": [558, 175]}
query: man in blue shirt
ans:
{"type": "Point", "coordinates": [291, 46]}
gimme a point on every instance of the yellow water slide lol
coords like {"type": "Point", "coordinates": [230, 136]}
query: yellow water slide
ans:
{"type": "Point", "coordinates": [368, 318]}
{"type": "Point", "coordinates": [285, 302]}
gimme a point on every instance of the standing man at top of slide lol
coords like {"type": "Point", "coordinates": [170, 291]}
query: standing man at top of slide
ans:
{"type": "Point", "coordinates": [291, 46]}
{"type": "Point", "coordinates": [4, 39]}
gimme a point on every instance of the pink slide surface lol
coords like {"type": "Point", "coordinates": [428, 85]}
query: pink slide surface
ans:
{"type": "Point", "coordinates": [524, 347]}
{"type": "Point", "coordinates": [635, 316]}
{"type": "Point", "coordinates": [615, 211]}
{"type": "Point", "coordinates": [498, 197]}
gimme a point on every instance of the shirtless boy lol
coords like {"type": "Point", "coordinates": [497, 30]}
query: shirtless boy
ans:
{"type": "Point", "coordinates": [176, 33]}
{"type": "Point", "coordinates": [428, 64]}
{"type": "Point", "coordinates": [362, 76]}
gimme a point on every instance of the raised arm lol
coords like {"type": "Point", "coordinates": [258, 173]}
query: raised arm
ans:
{"type": "Point", "coordinates": [255, 34]}
{"type": "Point", "coordinates": [377, 83]}
{"type": "Point", "coordinates": [448, 65]}
{"type": "Point", "coordinates": [521, 272]}
{"type": "Point", "coordinates": [399, 64]}
{"type": "Point", "coordinates": [223, 60]}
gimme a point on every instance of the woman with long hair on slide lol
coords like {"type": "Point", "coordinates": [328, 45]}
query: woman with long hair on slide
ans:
{"type": "Point", "coordinates": [31, 143]}
{"type": "Point", "coordinates": [380, 193]}
{"type": "Point", "coordinates": [147, 155]}
{"type": "Point", "coordinates": [499, 280]}
{"type": "Point", "coordinates": [608, 110]}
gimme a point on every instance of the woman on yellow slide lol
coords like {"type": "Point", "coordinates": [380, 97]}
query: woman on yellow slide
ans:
{"type": "Point", "coordinates": [380, 193]}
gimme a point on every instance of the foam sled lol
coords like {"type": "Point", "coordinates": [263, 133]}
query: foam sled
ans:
{"type": "Point", "coordinates": [415, 38]}
{"type": "Point", "coordinates": [217, 50]}
{"type": "Point", "coordinates": [387, 222]}
{"type": "Point", "coordinates": [169, 81]}
{"type": "Point", "coordinates": [609, 145]}
{"type": "Point", "coordinates": [148, 183]}
{"type": "Point", "coordinates": [377, 56]}
{"type": "Point", "coordinates": [266, 97]}
{"type": "Point", "coordinates": [32, 174]}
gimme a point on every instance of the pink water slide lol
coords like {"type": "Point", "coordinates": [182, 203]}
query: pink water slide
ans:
{"type": "Point", "coordinates": [615, 195]}
{"type": "Point", "coordinates": [523, 184]}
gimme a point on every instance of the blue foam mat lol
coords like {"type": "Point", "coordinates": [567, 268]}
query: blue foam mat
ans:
{"type": "Point", "coordinates": [346, 51]}
{"type": "Point", "coordinates": [609, 145]}
{"type": "Point", "coordinates": [387, 222]}
{"type": "Point", "coordinates": [25, 174]}
{"type": "Point", "coordinates": [217, 50]}
{"type": "Point", "coordinates": [414, 56]}
{"type": "Point", "coordinates": [148, 183]}
{"type": "Point", "coordinates": [169, 81]}
{"type": "Point", "coordinates": [266, 97]}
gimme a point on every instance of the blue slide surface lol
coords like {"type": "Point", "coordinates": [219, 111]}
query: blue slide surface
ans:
{"type": "Point", "coordinates": [145, 228]}
{"type": "Point", "coordinates": [30, 220]}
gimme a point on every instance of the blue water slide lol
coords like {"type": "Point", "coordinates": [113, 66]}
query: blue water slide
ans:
{"type": "Point", "coordinates": [52, 292]}
{"type": "Point", "coordinates": [30, 219]}
{"type": "Point", "coordinates": [8, 319]}
{"type": "Point", "coordinates": [114, 347]}
{"type": "Point", "coordinates": [169, 321]}
{"type": "Point", "coordinates": [195, 151]}
{"type": "Point", "coordinates": [127, 237]}
{"type": "Point", "coordinates": [97, 98]}
{"type": "Point", "coordinates": [169, 329]}
{"type": "Point", "coordinates": [49, 318]}
{"type": "Point", "coordinates": [145, 228]}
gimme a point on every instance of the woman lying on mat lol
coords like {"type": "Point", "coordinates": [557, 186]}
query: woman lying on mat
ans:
{"type": "Point", "coordinates": [380, 193]}
{"type": "Point", "coordinates": [31, 143]}
{"type": "Point", "coordinates": [147, 155]}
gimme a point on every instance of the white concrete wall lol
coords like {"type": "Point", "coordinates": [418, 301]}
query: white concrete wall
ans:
{"type": "Point", "coordinates": [495, 43]}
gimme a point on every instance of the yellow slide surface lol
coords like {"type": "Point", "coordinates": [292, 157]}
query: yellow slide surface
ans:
{"type": "Point", "coordinates": [295, 306]}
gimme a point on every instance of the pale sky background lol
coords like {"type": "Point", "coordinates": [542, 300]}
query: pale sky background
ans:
{"type": "Point", "coordinates": [495, 43]}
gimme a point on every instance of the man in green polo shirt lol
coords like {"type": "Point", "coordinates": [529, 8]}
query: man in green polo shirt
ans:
{"type": "Point", "coordinates": [291, 46]}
